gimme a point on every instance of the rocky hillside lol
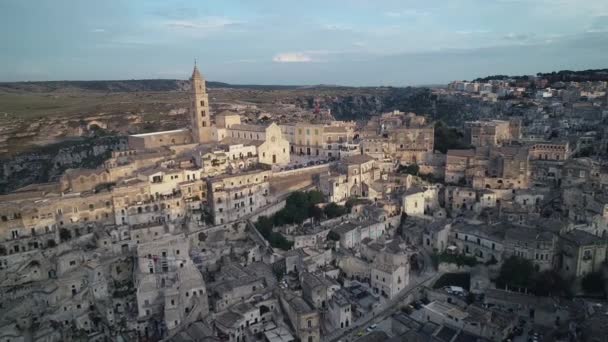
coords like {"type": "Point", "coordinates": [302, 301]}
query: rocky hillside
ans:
{"type": "Point", "coordinates": [381, 100]}
{"type": "Point", "coordinates": [49, 162]}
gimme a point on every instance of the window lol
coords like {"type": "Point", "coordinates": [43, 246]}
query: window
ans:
{"type": "Point", "coordinates": [587, 255]}
{"type": "Point", "coordinates": [309, 325]}
{"type": "Point", "coordinates": [203, 114]}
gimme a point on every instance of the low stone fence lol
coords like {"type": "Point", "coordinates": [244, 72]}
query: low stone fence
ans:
{"type": "Point", "coordinates": [315, 169]}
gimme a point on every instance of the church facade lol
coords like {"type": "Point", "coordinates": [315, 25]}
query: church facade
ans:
{"type": "Point", "coordinates": [205, 129]}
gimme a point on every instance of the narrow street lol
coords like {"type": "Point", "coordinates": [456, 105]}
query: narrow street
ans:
{"type": "Point", "coordinates": [379, 314]}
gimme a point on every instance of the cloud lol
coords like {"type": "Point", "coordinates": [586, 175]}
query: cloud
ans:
{"type": "Point", "coordinates": [407, 13]}
{"type": "Point", "coordinates": [468, 32]}
{"type": "Point", "coordinates": [337, 27]}
{"type": "Point", "coordinates": [599, 24]}
{"type": "Point", "coordinates": [206, 24]}
{"type": "Point", "coordinates": [98, 30]}
{"type": "Point", "coordinates": [518, 37]}
{"type": "Point", "coordinates": [175, 12]}
{"type": "Point", "coordinates": [293, 57]}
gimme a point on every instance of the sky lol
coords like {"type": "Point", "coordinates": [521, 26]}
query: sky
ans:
{"type": "Point", "coordinates": [299, 42]}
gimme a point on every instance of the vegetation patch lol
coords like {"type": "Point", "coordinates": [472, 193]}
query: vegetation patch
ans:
{"type": "Point", "coordinates": [299, 206]}
{"type": "Point", "coordinates": [519, 274]}
{"type": "Point", "coordinates": [458, 259]}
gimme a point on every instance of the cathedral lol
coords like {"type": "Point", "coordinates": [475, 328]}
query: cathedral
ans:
{"type": "Point", "coordinates": [209, 132]}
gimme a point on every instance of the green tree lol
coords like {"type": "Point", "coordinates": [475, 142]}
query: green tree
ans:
{"type": "Point", "coordinates": [593, 283]}
{"type": "Point", "coordinates": [333, 210]}
{"type": "Point", "coordinates": [550, 283]}
{"type": "Point", "coordinates": [412, 169]}
{"type": "Point", "coordinates": [516, 272]}
{"type": "Point", "coordinates": [315, 197]}
{"type": "Point", "coordinates": [333, 236]}
{"type": "Point", "coordinates": [448, 138]}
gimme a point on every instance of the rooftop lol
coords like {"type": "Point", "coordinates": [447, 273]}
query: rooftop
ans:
{"type": "Point", "coordinates": [580, 237]}
{"type": "Point", "coordinates": [248, 127]}
{"type": "Point", "coordinates": [447, 310]}
{"type": "Point", "coordinates": [356, 159]}
{"type": "Point", "coordinates": [159, 133]}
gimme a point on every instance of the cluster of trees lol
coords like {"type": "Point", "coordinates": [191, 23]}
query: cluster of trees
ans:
{"type": "Point", "coordinates": [562, 75]}
{"type": "Point", "coordinates": [276, 240]}
{"type": "Point", "coordinates": [412, 169]}
{"type": "Point", "coordinates": [448, 138]}
{"type": "Point", "coordinates": [458, 259]}
{"type": "Point", "coordinates": [299, 206]}
{"type": "Point", "coordinates": [520, 273]}
{"type": "Point", "coordinates": [576, 76]}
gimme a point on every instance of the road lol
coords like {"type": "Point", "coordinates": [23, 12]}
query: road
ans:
{"type": "Point", "coordinates": [379, 314]}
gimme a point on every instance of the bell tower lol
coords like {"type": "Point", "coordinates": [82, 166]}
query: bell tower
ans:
{"type": "Point", "coordinates": [202, 132]}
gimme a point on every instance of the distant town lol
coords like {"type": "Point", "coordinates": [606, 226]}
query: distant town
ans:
{"type": "Point", "coordinates": [472, 212]}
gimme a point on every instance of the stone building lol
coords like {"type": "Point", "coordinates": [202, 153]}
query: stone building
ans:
{"type": "Point", "coordinates": [242, 322]}
{"type": "Point", "coordinates": [435, 236]}
{"type": "Point", "coordinates": [537, 246]}
{"type": "Point", "coordinates": [339, 310]}
{"type": "Point", "coordinates": [486, 243]}
{"type": "Point", "coordinates": [233, 196]}
{"type": "Point", "coordinates": [456, 165]}
{"type": "Point", "coordinates": [168, 282]}
{"type": "Point", "coordinates": [317, 289]}
{"type": "Point", "coordinates": [580, 253]}
{"type": "Point", "coordinates": [490, 324]}
{"type": "Point", "coordinates": [388, 278]}
{"type": "Point", "coordinates": [489, 167]}
{"type": "Point", "coordinates": [272, 148]}
{"type": "Point", "coordinates": [413, 202]}
{"type": "Point", "coordinates": [411, 145]}
{"type": "Point", "coordinates": [352, 176]}
{"type": "Point", "coordinates": [201, 118]}
{"type": "Point", "coordinates": [154, 140]}
{"type": "Point", "coordinates": [549, 151]}
{"type": "Point", "coordinates": [304, 319]}
{"type": "Point", "coordinates": [229, 154]}
{"type": "Point", "coordinates": [353, 232]}
{"type": "Point", "coordinates": [492, 132]}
